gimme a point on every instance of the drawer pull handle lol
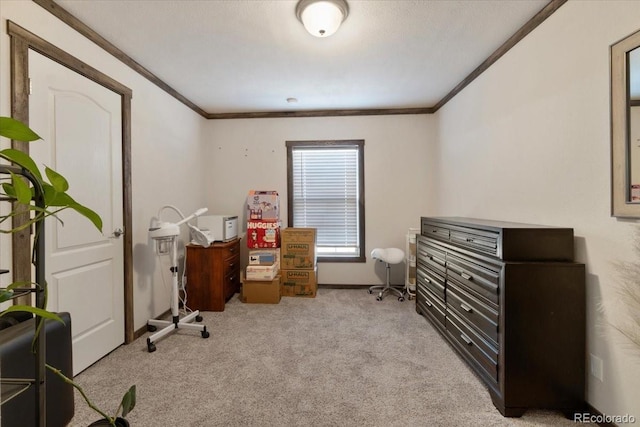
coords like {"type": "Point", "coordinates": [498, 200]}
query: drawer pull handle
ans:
{"type": "Point", "coordinates": [470, 240]}
{"type": "Point", "coordinates": [466, 276]}
{"type": "Point", "coordinates": [466, 308]}
{"type": "Point", "coordinates": [436, 260]}
{"type": "Point", "coordinates": [428, 303]}
{"type": "Point", "coordinates": [466, 339]}
{"type": "Point", "coordinates": [231, 265]}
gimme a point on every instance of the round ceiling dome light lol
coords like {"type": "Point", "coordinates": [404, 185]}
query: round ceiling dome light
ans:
{"type": "Point", "coordinates": [322, 18]}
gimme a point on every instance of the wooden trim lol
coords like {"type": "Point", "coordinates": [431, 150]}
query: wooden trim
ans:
{"type": "Point", "coordinates": [127, 203]}
{"type": "Point", "coordinates": [21, 240]}
{"type": "Point", "coordinates": [83, 29]}
{"type": "Point", "coordinates": [634, 103]}
{"type": "Point", "coordinates": [23, 40]}
{"type": "Point", "coordinates": [321, 113]}
{"type": "Point", "coordinates": [538, 19]}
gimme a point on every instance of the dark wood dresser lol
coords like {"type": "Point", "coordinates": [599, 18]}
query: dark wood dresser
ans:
{"type": "Point", "coordinates": [509, 298]}
{"type": "Point", "coordinates": [213, 275]}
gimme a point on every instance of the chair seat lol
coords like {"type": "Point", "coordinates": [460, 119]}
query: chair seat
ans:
{"type": "Point", "coordinates": [388, 255]}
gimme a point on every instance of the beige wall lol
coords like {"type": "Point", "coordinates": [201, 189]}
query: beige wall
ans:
{"type": "Point", "coordinates": [528, 141]}
{"type": "Point", "coordinates": [251, 154]}
{"type": "Point", "coordinates": [166, 146]}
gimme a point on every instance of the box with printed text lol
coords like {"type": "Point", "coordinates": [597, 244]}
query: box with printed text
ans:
{"type": "Point", "coordinates": [299, 283]}
{"type": "Point", "coordinates": [263, 235]}
{"type": "Point", "coordinates": [298, 248]}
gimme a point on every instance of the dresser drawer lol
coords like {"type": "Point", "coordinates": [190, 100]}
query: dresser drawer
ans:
{"type": "Point", "coordinates": [432, 281]}
{"type": "Point", "coordinates": [431, 256]}
{"type": "Point", "coordinates": [477, 314]}
{"type": "Point", "coordinates": [429, 229]}
{"type": "Point", "coordinates": [479, 240]}
{"type": "Point", "coordinates": [232, 265]}
{"type": "Point", "coordinates": [479, 280]}
{"type": "Point", "coordinates": [429, 304]}
{"type": "Point", "coordinates": [230, 251]}
{"type": "Point", "coordinates": [485, 355]}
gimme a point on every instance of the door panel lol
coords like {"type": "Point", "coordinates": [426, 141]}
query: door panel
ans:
{"type": "Point", "coordinates": [80, 122]}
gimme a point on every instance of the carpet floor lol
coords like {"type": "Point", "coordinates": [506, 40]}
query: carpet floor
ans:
{"type": "Point", "coordinates": [340, 359]}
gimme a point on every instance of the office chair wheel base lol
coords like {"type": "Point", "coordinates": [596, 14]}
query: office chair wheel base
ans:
{"type": "Point", "coordinates": [198, 318]}
{"type": "Point", "coordinates": [379, 297]}
{"type": "Point", "coordinates": [400, 299]}
{"type": "Point", "coordinates": [205, 334]}
{"type": "Point", "coordinates": [370, 291]}
{"type": "Point", "coordinates": [151, 328]}
{"type": "Point", "coordinates": [151, 347]}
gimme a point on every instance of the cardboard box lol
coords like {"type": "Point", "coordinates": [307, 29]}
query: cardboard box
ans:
{"type": "Point", "coordinates": [264, 256]}
{"type": "Point", "coordinates": [299, 283]}
{"type": "Point", "coordinates": [260, 292]}
{"type": "Point", "coordinates": [298, 248]}
{"type": "Point", "coordinates": [263, 206]}
{"type": "Point", "coordinates": [261, 272]}
{"type": "Point", "coordinates": [263, 234]}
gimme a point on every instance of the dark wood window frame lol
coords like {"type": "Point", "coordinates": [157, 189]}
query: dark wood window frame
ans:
{"type": "Point", "coordinates": [359, 143]}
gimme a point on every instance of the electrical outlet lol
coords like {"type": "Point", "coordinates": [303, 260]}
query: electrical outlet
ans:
{"type": "Point", "coordinates": [596, 367]}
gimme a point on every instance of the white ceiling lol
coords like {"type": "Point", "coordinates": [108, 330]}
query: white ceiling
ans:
{"type": "Point", "coordinates": [232, 56]}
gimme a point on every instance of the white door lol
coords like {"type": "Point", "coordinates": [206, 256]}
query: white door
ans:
{"type": "Point", "coordinates": [80, 123]}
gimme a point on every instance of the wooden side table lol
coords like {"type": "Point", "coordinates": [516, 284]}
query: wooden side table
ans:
{"type": "Point", "coordinates": [213, 275]}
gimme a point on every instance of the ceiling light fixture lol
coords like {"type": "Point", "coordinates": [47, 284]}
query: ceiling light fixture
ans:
{"type": "Point", "coordinates": [322, 18]}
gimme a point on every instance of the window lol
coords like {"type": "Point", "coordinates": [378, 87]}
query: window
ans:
{"type": "Point", "coordinates": [325, 183]}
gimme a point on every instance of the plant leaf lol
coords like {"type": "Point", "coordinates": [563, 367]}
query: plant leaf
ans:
{"type": "Point", "coordinates": [5, 295]}
{"type": "Point", "coordinates": [89, 214]}
{"type": "Point", "coordinates": [22, 189]}
{"type": "Point", "coordinates": [21, 159]}
{"type": "Point", "coordinates": [8, 189]}
{"type": "Point", "coordinates": [128, 401]}
{"type": "Point", "coordinates": [16, 130]}
{"type": "Point", "coordinates": [34, 310]}
{"type": "Point", "coordinates": [58, 181]}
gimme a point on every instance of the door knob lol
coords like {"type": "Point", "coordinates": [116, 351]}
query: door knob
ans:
{"type": "Point", "coordinates": [117, 233]}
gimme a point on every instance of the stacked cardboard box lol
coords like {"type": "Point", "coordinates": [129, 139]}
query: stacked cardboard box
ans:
{"type": "Point", "coordinates": [261, 282]}
{"type": "Point", "coordinates": [298, 262]}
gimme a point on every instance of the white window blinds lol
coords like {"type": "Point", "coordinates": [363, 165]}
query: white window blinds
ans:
{"type": "Point", "coordinates": [326, 196]}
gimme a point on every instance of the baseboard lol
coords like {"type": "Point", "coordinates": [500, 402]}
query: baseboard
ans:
{"type": "Point", "coordinates": [330, 286]}
{"type": "Point", "coordinates": [140, 332]}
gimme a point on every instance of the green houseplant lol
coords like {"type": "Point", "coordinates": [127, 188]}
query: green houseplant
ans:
{"type": "Point", "coordinates": [55, 199]}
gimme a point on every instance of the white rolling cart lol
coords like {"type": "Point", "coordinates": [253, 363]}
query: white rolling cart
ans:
{"type": "Point", "coordinates": [410, 264]}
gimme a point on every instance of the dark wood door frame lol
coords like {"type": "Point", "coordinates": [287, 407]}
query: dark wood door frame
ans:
{"type": "Point", "coordinates": [21, 41]}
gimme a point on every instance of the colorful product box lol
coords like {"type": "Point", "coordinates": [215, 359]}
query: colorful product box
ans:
{"type": "Point", "coordinates": [264, 256]}
{"type": "Point", "coordinates": [299, 283]}
{"type": "Point", "coordinates": [298, 248]}
{"type": "Point", "coordinates": [263, 235]}
{"type": "Point", "coordinates": [263, 206]}
{"type": "Point", "coordinates": [261, 272]}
